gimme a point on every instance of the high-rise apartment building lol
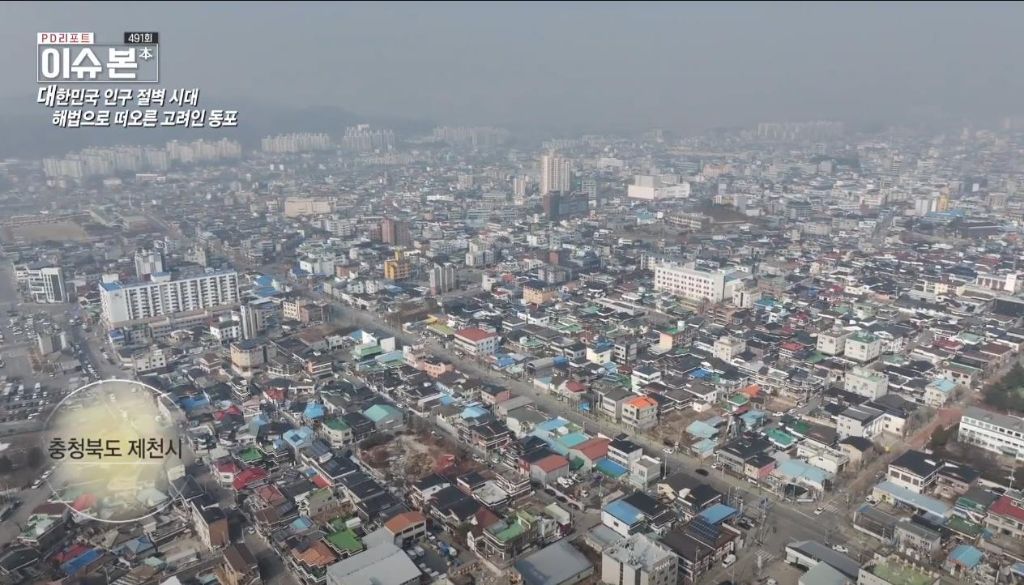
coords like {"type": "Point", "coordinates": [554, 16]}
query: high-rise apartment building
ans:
{"type": "Point", "coordinates": [555, 174]}
{"type": "Point", "coordinates": [442, 278]}
{"type": "Point", "coordinates": [395, 232]}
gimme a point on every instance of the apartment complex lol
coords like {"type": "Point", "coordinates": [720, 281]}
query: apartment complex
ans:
{"type": "Point", "coordinates": [167, 295]}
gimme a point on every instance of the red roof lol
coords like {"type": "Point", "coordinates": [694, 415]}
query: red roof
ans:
{"type": "Point", "coordinates": [401, 522]}
{"type": "Point", "coordinates": [474, 334]}
{"type": "Point", "coordinates": [575, 386]}
{"type": "Point", "coordinates": [552, 462]}
{"type": "Point", "coordinates": [73, 552]}
{"type": "Point", "coordinates": [320, 482]}
{"type": "Point", "coordinates": [247, 477]}
{"type": "Point", "coordinates": [593, 449]}
{"type": "Point", "coordinates": [84, 502]}
{"type": "Point", "coordinates": [1006, 506]}
{"type": "Point", "coordinates": [228, 467]}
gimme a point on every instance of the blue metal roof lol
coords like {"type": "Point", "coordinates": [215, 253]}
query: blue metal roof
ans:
{"type": "Point", "coordinates": [718, 513]}
{"type": "Point", "coordinates": [610, 468]}
{"type": "Point", "coordinates": [624, 511]}
{"type": "Point", "coordinates": [966, 555]}
{"type": "Point", "coordinates": [80, 562]}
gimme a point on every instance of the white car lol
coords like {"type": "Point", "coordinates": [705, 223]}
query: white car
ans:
{"type": "Point", "coordinates": [668, 450]}
{"type": "Point", "coordinates": [840, 548]}
{"type": "Point", "coordinates": [728, 560]}
{"type": "Point", "coordinates": [818, 511]}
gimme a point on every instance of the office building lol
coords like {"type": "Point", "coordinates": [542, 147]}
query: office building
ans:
{"type": "Point", "coordinates": [43, 284]}
{"type": "Point", "coordinates": [555, 174]}
{"type": "Point", "coordinates": [166, 295]}
{"type": "Point", "coordinates": [559, 205]}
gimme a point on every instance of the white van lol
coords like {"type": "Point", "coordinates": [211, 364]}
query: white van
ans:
{"type": "Point", "coordinates": [728, 560]}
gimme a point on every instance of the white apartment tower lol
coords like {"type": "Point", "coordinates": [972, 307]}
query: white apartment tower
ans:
{"type": "Point", "coordinates": [164, 295]}
{"type": "Point", "coordinates": [442, 278]}
{"type": "Point", "coordinates": [555, 174]}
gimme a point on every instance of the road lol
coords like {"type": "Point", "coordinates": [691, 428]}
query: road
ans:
{"type": "Point", "coordinates": [792, 522]}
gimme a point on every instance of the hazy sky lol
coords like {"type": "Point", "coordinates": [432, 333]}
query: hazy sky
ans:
{"type": "Point", "coordinates": [575, 65]}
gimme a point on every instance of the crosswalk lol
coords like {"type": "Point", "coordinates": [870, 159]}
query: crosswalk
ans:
{"type": "Point", "coordinates": [763, 557]}
{"type": "Point", "coordinates": [834, 506]}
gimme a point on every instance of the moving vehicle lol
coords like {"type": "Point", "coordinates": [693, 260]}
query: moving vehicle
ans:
{"type": "Point", "coordinates": [703, 472]}
{"type": "Point", "coordinates": [818, 511]}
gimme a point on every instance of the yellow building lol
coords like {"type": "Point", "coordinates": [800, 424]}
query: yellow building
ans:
{"type": "Point", "coordinates": [397, 268]}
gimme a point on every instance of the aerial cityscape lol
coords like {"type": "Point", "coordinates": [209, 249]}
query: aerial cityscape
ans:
{"type": "Point", "coordinates": [412, 352]}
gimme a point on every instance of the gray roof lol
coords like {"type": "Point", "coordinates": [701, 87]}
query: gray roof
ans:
{"type": "Point", "coordinates": [553, 564]}
{"type": "Point", "coordinates": [385, 564]}
{"type": "Point", "coordinates": [824, 554]}
{"type": "Point", "coordinates": [823, 574]}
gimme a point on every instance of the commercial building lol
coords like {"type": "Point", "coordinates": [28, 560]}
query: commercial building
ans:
{"type": "Point", "coordinates": [559, 205]}
{"type": "Point", "coordinates": [692, 283]}
{"type": "Point", "coordinates": [992, 431]}
{"type": "Point", "coordinates": [639, 560]}
{"type": "Point", "coordinates": [43, 284]}
{"type": "Point", "coordinates": [559, 563]}
{"type": "Point", "coordinates": [300, 206]}
{"type": "Point", "coordinates": [166, 295]}
{"type": "Point", "coordinates": [384, 564]}
{"type": "Point", "coordinates": [475, 341]}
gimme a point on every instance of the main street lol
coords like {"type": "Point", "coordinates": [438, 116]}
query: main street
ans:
{"type": "Point", "coordinates": [786, 522]}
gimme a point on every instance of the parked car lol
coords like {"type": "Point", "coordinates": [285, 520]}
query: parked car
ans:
{"type": "Point", "coordinates": [703, 472]}
{"type": "Point", "coordinates": [818, 511]}
{"type": "Point", "coordinates": [728, 560]}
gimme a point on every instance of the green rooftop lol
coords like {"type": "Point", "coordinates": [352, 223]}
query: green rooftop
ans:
{"type": "Point", "coordinates": [898, 574]}
{"type": "Point", "coordinates": [250, 455]}
{"type": "Point", "coordinates": [345, 540]}
{"type": "Point", "coordinates": [336, 424]}
{"type": "Point", "coordinates": [510, 532]}
{"type": "Point", "coordinates": [963, 526]}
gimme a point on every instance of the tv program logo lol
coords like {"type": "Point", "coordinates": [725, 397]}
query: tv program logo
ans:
{"type": "Point", "coordinates": [75, 57]}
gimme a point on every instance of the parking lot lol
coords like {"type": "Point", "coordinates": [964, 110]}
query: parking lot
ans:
{"type": "Point", "coordinates": [31, 384]}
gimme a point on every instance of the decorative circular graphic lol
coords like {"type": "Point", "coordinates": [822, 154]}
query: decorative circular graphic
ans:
{"type": "Point", "coordinates": [115, 450]}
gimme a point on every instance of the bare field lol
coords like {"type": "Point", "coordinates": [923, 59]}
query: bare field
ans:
{"type": "Point", "coordinates": [57, 231]}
